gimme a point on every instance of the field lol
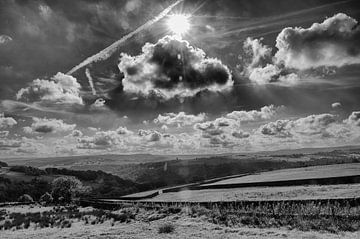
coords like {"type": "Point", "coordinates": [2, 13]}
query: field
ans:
{"type": "Point", "coordinates": [288, 187]}
{"type": "Point", "coordinates": [262, 193]}
{"type": "Point", "coordinates": [336, 170]}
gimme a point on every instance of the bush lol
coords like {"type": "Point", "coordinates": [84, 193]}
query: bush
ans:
{"type": "Point", "coordinates": [3, 164]}
{"type": "Point", "coordinates": [46, 198]}
{"type": "Point", "coordinates": [26, 198]}
{"type": "Point", "coordinates": [166, 228]}
{"type": "Point", "coordinates": [65, 188]}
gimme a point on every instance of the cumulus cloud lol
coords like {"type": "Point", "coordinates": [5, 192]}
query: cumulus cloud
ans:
{"type": "Point", "coordinates": [4, 133]}
{"type": "Point", "coordinates": [6, 144]}
{"type": "Point", "coordinates": [336, 105]}
{"type": "Point", "coordinates": [354, 119]}
{"type": "Point", "coordinates": [334, 42]}
{"type": "Point", "coordinates": [265, 113]}
{"type": "Point", "coordinates": [279, 128]}
{"type": "Point", "coordinates": [76, 133]}
{"type": "Point", "coordinates": [179, 119]}
{"type": "Point", "coordinates": [44, 125]}
{"type": "Point", "coordinates": [172, 67]}
{"type": "Point", "coordinates": [308, 126]}
{"type": "Point", "coordinates": [255, 54]}
{"type": "Point", "coordinates": [61, 89]}
{"type": "Point", "coordinates": [104, 139]}
{"type": "Point", "coordinates": [227, 130]}
{"type": "Point", "coordinates": [224, 132]}
{"type": "Point", "coordinates": [22, 145]}
{"type": "Point", "coordinates": [240, 134]}
{"type": "Point", "coordinates": [5, 39]}
{"type": "Point", "coordinates": [259, 67]}
{"type": "Point", "coordinates": [6, 122]}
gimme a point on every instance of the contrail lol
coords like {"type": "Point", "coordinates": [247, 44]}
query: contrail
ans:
{"type": "Point", "coordinates": [91, 82]}
{"type": "Point", "coordinates": [108, 51]}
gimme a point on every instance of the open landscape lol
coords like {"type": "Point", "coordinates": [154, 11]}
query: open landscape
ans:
{"type": "Point", "coordinates": [180, 119]}
{"type": "Point", "coordinates": [296, 200]}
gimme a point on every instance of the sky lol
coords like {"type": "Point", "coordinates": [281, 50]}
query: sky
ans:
{"type": "Point", "coordinates": [118, 76]}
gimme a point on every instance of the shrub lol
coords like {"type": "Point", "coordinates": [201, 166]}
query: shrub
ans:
{"type": "Point", "coordinates": [66, 188]}
{"type": "Point", "coordinates": [46, 198]}
{"type": "Point", "coordinates": [166, 228]}
{"type": "Point", "coordinates": [26, 198]}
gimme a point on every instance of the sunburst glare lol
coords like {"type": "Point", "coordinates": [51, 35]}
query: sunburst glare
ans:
{"type": "Point", "coordinates": [178, 23]}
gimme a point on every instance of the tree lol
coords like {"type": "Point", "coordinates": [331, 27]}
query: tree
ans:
{"type": "Point", "coordinates": [66, 188]}
{"type": "Point", "coordinates": [26, 198]}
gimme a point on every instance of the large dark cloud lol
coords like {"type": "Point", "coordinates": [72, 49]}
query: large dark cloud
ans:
{"type": "Point", "coordinates": [172, 67]}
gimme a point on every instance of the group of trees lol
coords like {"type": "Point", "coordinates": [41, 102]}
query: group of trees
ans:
{"type": "Point", "coordinates": [66, 185]}
{"type": "Point", "coordinates": [61, 189]}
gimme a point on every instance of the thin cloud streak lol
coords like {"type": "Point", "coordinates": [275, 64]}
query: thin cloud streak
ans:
{"type": "Point", "coordinates": [108, 51]}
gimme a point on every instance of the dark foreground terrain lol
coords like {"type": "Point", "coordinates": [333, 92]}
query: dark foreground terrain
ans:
{"type": "Point", "coordinates": [282, 220]}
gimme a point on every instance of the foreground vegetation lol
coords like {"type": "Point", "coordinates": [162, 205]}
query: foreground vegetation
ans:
{"type": "Point", "coordinates": [331, 217]}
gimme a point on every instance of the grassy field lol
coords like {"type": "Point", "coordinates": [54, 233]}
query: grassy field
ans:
{"type": "Point", "coordinates": [335, 170]}
{"type": "Point", "coordinates": [262, 193]}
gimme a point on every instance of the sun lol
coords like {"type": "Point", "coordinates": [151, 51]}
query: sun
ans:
{"type": "Point", "coordinates": [178, 23]}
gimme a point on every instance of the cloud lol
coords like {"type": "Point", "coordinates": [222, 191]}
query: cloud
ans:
{"type": "Point", "coordinates": [48, 126]}
{"type": "Point", "coordinates": [4, 133]}
{"type": "Point", "coordinates": [150, 135]}
{"type": "Point", "coordinates": [227, 130]}
{"type": "Point", "coordinates": [354, 119]}
{"type": "Point", "coordinates": [104, 139]}
{"type": "Point", "coordinates": [4, 39]}
{"type": "Point", "coordinates": [76, 133]}
{"type": "Point", "coordinates": [303, 52]}
{"type": "Point", "coordinates": [179, 119]}
{"type": "Point", "coordinates": [255, 54]}
{"type": "Point", "coordinates": [258, 65]}
{"type": "Point", "coordinates": [313, 125]}
{"type": "Point", "coordinates": [334, 42]}
{"type": "Point", "coordinates": [265, 113]}
{"type": "Point", "coordinates": [279, 128]}
{"type": "Point", "coordinates": [240, 134]}
{"type": "Point", "coordinates": [6, 144]}
{"type": "Point", "coordinates": [61, 89]}
{"type": "Point", "coordinates": [6, 122]}
{"type": "Point", "coordinates": [22, 145]}
{"type": "Point", "coordinates": [336, 105]}
{"type": "Point", "coordinates": [172, 67]}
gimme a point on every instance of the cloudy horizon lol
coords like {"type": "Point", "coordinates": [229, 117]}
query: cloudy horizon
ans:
{"type": "Point", "coordinates": [240, 76]}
